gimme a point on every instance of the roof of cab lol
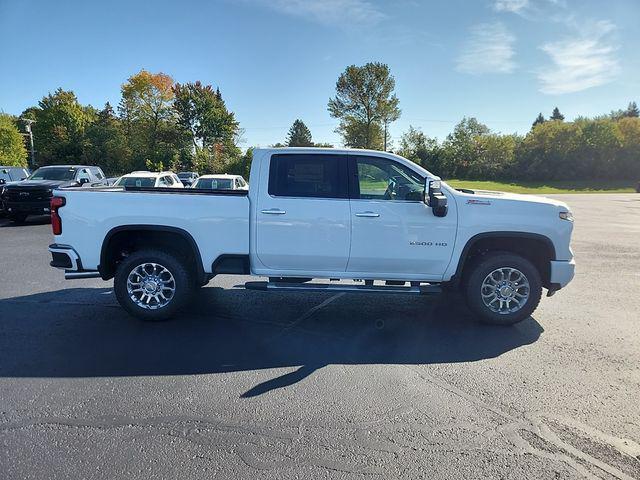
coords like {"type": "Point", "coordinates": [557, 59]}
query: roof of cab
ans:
{"type": "Point", "coordinates": [147, 174]}
{"type": "Point", "coordinates": [219, 175]}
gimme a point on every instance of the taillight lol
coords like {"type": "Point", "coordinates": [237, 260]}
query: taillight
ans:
{"type": "Point", "coordinates": [56, 221]}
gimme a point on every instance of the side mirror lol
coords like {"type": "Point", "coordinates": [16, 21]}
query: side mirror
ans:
{"type": "Point", "coordinates": [435, 198]}
{"type": "Point", "coordinates": [83, 181]}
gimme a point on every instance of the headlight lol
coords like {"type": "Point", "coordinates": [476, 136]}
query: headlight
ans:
{"type": "Point", "coordinates": [566, 216]}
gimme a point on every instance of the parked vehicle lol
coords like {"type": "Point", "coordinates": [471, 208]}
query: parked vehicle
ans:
{"type": "Point", "coordinates": [13, 174]}
{"type": "Point", "coordinates": [188, 178]}
{"type": "Point", "coordinates": [149, 179]}
{"type": "Point", "coordinates": [32, 195]}
{"type": "Point", "coordinates": [9, 175]}
{"type": "Point", "coordinates": [315, 213]}
{"type": "Point", "coordinates": [221, 182]}
{"type": "Point", "coordinates": [112, 180]}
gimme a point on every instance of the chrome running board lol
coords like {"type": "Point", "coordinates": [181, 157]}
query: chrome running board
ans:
{"type": "Point", "coordinates": [328, 287]}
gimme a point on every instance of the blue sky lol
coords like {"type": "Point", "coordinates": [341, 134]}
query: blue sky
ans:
{"type": "Point", "coordinates": [502, 61]}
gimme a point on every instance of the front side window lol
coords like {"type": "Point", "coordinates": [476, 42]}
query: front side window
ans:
{"type": "Point", "coordinates": [383, 179]}
{"type": "Point", "coordinates": [53, 173]}
{"type": "Point", "coordinates": [308, 175]}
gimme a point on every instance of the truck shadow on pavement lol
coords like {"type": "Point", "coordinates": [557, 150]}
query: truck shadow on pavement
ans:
{"type": "Point", "coordinates": [82, 332]}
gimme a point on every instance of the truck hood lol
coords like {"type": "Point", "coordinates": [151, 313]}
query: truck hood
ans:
{"type": "Point", "coordinates": [52, 184]}
{"type": "Point", "coordinates": [490, 195]}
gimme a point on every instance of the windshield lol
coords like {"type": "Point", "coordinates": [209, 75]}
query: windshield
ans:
{"type": "Point", "coordinates": [53, 173]}
{"type": "Point", "coordinates": [215, 183]}
{"type": "Point", "coordinates": [136, 182]}
{"type": "Point", "coordinates": [185, 175]}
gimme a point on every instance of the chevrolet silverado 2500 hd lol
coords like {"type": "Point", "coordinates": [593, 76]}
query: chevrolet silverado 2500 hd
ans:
{"type": "Point", "coordinates": [313, 214]}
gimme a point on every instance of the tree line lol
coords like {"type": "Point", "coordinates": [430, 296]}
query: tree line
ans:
{"type": "Point", "coordinates": [160, 124]}
{"type": "Point", "coordinates": [606, 147]}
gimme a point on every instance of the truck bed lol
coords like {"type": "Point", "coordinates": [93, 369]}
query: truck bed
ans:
{"type": "Point", "coordinates": [217, 220]}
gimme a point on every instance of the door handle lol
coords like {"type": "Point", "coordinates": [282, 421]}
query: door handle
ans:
{"type": "Point", "coordinates": [367, 214]}
{"type": "Point", "coordinates": [274, 211]}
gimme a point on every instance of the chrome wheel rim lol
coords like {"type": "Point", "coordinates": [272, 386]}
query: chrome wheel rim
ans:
{"type": "Point", "coordinates": [151, 286]}
{"type": "Point", "coordinates": [505, 290]}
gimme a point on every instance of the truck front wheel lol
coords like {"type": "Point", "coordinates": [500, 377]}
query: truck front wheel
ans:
{"type": "Point", "coordinates": [152, 285]}
{"type": "Point", "coordinates": [503, 288]}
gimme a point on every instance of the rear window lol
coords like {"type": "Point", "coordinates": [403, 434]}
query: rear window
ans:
{"type": "Point", "coordinates": [308, 175]}
{"type": "Point", "coordinates": [136, 182]}
{"type": "Point", "coordinates": [215, 183]}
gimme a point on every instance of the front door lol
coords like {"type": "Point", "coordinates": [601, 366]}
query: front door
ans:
{"type": "Point", "coordinates": [393, 232]}
{"type": "Point", "coordinates": [303, 218]}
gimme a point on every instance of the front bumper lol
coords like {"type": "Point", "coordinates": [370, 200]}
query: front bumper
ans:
{"type": "Point", "coordinates": [32, 208]}
{"type": "Point", "coordinates": [562, 272]}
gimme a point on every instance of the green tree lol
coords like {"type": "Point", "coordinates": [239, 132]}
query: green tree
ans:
{"type": "Point", "coordinates": [12, 150]}
{"type": "Point", "coordinates": [496, 157]}
{"type": "Point", "coordinates": [539, 119]}
{"type": "Point", "coordinates": [632, 110]}
{"type": "Point", "coordinates": [210, 126]}
{"type": "Point", "coordinates": [365, 103]}
{"type": "Point", "coordinates": [551, 151]}
{"type": "Point", "coordinates": [105, 143]}
{"type": "Point", "coordinates": [59, 128]}
{"type": "Point", "coordinates": [242, 165]}
{"type": "Point", "coordinates": [460, 149]}
{"type": "Point", "coordinates": [420, 149]}
{"type": "Point", "coordinates": [556, 115]}
{"type": "Point", "coordinates": [356, 134]}
{"type": "Point", "coordinates": [299, 135]}
{"type": "Point", "coordinates": [628, 160]}
{"type": "Point", "coordinates": [149, 121]}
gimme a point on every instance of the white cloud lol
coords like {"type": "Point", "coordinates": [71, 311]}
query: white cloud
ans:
{"type": "Point", "coordinates": [513, 6]}
{"type": "Point", "coordinates": [529, 9]}
{"type": "Point", "coordinates": [583, 61]}
{"type": "Point", "coordinates": [342, 13]}
{"type": "Point", "coordinates": [489, 50]}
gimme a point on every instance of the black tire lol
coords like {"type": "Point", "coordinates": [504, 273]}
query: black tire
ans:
{"type": "Point", "coordinates": [17, 217]}
{"type": "Point", "coordinates": [183, 284]}
{"type": "Point", "coordinates": [489, 263]}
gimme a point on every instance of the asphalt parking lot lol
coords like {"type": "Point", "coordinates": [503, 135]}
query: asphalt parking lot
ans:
{"type": "Point", "coordinates": [260, 385]}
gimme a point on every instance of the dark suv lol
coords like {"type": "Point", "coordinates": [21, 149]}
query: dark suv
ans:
{"type": "Point", "coordinates": [32, 195]}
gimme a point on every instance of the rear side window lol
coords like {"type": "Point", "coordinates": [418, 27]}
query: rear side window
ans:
{"type": "Point", "coordinates": [308, 175]}
{"type": "Point", "coordinates": [97, 173]}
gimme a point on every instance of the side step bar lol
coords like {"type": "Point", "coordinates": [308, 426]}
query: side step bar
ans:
{"type": "Point", "coordinates": [327, 287]}
{"type": "Point", "coordinates": [70, 275]}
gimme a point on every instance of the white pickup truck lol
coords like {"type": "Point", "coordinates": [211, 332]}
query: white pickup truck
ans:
{"type": "Point", "coordinates": [366, 221]}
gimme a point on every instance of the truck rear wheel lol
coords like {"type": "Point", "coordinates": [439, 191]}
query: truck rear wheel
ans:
{"type": "Point", "coordinates": [503, 288]}
{"type": "Point", "coordinates": [152, 285]}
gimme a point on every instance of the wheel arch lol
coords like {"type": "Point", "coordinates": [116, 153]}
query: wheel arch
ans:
{"type": "Point", "coordinates": [173, 238]}
{"type": "Point", "coordinates": [535, 247]}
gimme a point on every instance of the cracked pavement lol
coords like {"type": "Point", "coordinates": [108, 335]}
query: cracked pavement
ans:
{"type": "Point", "coordinates": [272, 385]}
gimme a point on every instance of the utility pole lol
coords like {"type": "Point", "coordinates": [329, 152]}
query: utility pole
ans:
{"type": "Point", "coordinates": [385, 136]}
{"type": "Point", "coordinates": [27, 123]}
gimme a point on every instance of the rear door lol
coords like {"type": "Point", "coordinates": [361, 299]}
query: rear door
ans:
{"type": "Point", "coordinates": [393, 232]}
{"type": "Point", "coordinates": [303, 216]}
